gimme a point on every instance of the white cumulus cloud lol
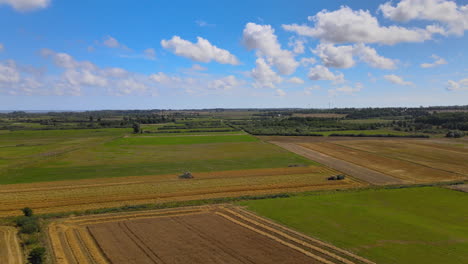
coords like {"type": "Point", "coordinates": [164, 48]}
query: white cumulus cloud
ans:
{"type": "Point", "coordinates": [453, 16]}
{"type": "Point", "coordinates": [461, 85]}
{"type": "Point", "coordinates": [348, 26]}
{"type": "Point", "coordinates": [264, 76]}
{"type": "Point", "coordinates": [395, 79]}
{"type": "Point", "coordinates": [296, 80]}
{"type": "Point", "coordinates": [437, 61]}
{"type": "Point", "coordinates": [320, 72]}
{"type": "Point", "coordinates": [26, 5]}
{"type": "Point", "coordinates": [343, 56]}
{"type": "Point", "coordinates": [202, 51]}
{"type": "Point", "coordinates": [225, 83]}
{"type": "Point", "coordinates": [263, 39]}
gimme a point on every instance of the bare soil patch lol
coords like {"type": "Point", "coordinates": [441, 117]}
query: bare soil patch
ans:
{"type": "Point", "coordinates": [208, 234]}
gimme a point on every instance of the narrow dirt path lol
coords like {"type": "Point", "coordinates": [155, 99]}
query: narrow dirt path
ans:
{"type": "Point", "coordinates": [361, 173]}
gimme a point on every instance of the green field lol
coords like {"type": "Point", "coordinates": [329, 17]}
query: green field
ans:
{"type": "Point", "coordinates": [50, 155]}
{"type": "Point", "coordinates": [412, 225]}
{"type": "Point", "coordinates": [181, 140]}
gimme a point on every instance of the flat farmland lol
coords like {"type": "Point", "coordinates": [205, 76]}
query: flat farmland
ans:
{"type": "Point", "coordinates": [412, 225]}
{"type": "Point", "coordinates": [406, 160]}
{"type": "Point", "coordinates": [40, 156]}
{"type": "Point", "coordinates": [221, 234]}
{"type": "Point", "coordinates": [10, 252]}
{"type": "Point", "coordinates": [62, 196]}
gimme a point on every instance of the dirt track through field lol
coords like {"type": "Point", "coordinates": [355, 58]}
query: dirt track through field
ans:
{"type": "Point", "coordinates": [10, 252]}
{"type": "Point", "coordinates": [204, 234]}
{"type": "Point", "coordinates": [356, 171]}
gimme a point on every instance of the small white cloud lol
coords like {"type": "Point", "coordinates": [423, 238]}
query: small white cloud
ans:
{"type": "Point", "coordinates": [224, 84]}
{"type": "Point", "coordinates": [9, 72]}
{"type": "Point", "coordinates": [198, 67]}
{"type": "Point", "coordinates": [202, 23]}
{"type": "Point", "coordinates": [202, 51]}
{"type": "Point", "coordinates": [150, 54]}
{"type": "Point", "coordinates": [26, 5]}
{"type": "Point", "coordinates": [263, 39]}
{"type": "Point", "coordinates": [320, 72]}
{"type": "Point", "coordinates": [280, 93]}
{"type": "Point", "coordinates": [113, 43]}
{"type": "Point", "coordinates": [346, 89]}
{"type": "Point", "coordinates": [296, 80]}
{"type": "Point", "coordinates": [308, 61]}
{"type": "Point", "coordinates": [437, 61]}
{"type": "Point", "coordinates": [396, 79]}
{"type": "Point", "coordinates": [461, 85]}
{"type": "Point", "coordinates": [309, 90]}
{"type": "Point", "coordinates": [264, 76]}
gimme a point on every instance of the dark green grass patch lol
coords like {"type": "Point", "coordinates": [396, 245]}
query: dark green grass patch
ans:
{"type": "Point", "coordinates": [413, 225]}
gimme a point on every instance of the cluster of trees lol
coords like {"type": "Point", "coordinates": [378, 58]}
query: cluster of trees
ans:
{"type": "Point", "coordinates": [455, 134]}
{"type": "Point", "coordinates": [448, 120]}
{"type": "Point", "coordinates": [29, 224]}
{"type": "Point", "coordinates": [300, 126]}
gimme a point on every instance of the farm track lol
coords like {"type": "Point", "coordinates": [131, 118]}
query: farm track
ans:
{"type": "Point", "coordinates": [356, 171]}
{"type": "Point", "coordinates": [201, 232]}
{"type": "Point", "coordinates": [10, 252]}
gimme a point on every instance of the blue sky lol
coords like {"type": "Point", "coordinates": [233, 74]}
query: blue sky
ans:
{"type": "Point", "coordinates": [79, 55]}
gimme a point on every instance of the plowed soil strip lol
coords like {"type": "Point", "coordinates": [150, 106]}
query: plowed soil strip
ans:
{"type": "Point", "coordinates": [362, 173]}
{"type": "Point", "coordinates": [205, 234]}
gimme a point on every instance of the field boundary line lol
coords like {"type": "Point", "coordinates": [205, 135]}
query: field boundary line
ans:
{"type": "Point", "coordinates": [90, 244]}
{"type": "Point", "coordinates": [303, 243]}
{"type": "Point", "coordinates": [135, 216]}
{"type": "Point", "coordinates": [138, 218]}
{"type": "Point", "coordinates": [75, 248]}
{"type": "Point", "coordinates": [307, 253]}
{"type": "Point", "coordinates": [306, 237]}
{"type": "Point", "coordinates": [56, 245]}
{"type": "Point", "coordinates": [400, 159]}
{"type": "Point", "coordinates": [139, 243]}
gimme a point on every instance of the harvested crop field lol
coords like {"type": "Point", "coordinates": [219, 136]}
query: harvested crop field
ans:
{"type": "Point", "coordinates": [221, 234]}
{"type": "Point", "coordinates": [395, 160]}
{"type": "Point", "coordinates": [62, 196]}
{"type": "Point", "coordinates": [10, 252]}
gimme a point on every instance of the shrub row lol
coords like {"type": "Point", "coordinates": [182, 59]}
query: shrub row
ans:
{"type": "Point", "coordinates": [377, 135]}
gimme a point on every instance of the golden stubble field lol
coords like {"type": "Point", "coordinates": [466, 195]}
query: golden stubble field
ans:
{"type": "Point", "coordinates": [78, 195]}
{"type": "Point", "coordinates": [205, 234]}
{"type": "Point", "coordinates": [405, 160]}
